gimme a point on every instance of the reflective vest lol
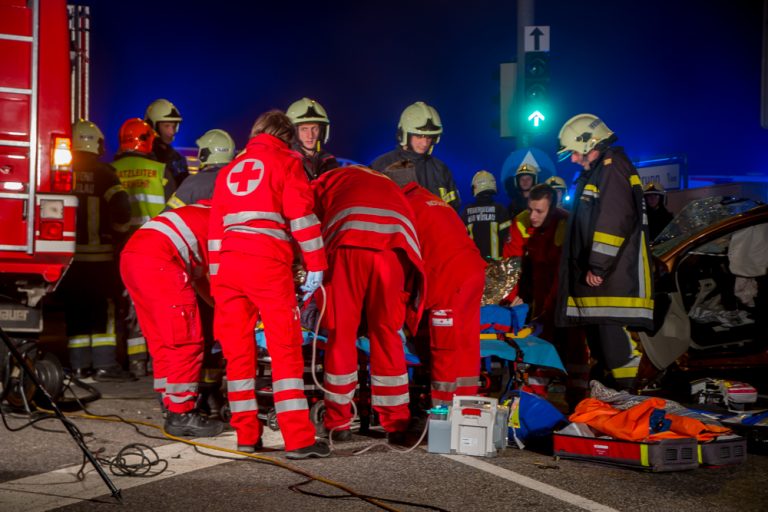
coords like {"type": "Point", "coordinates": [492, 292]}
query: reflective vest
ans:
{"type": "Point", "coordinates": [144, 181]}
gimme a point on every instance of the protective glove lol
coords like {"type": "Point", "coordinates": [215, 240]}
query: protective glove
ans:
{"type": "Point", "coordinates": [312, 283]}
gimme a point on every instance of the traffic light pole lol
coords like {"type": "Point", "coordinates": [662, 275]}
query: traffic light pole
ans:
{"type": "Point", "coordinates": [524, 18]}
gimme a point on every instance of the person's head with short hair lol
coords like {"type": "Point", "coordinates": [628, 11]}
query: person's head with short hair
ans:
{"type": "Point", "coordinates": [542, 201]}
{"type": "Point", "coordinates": [401, 172]}
{"type": "Point", "coordinates": [275, 123]}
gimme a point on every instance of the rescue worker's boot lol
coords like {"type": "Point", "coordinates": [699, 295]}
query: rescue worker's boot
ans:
{"type": "Point", "coordinates": [192, 424]}
{"type": "Point", "coordinates": [251, 448]}
{"type": "Point", "coordinates": [210, 401]}
{"type": "Point", "coordinates": [138, 367]}
{"type": "Point", "coordinates": [318, 450]}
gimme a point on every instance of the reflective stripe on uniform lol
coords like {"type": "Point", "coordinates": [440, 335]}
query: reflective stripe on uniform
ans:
{"type": "Point", "coordinates": [449, 196]}
{"type": "Point", "coordinates": [136, 345]}
{"type": "Point", "coordinates": [79, 341]}
{"type": "Point", "coordinates": [176, 240]}
{"type": "Point", "coordinates": [340, 380]}
{"type": "Point", "coordinates": [159, 384]}
{"type": "Point", "coordinates": [214, 244]}
{"type": "Point", "coordinates": [467, 381]}
{"type": "Point", "coordinates": [386, 229]}
{"type": "Point", "coordinates": [312, 245]}
{"type": "Point", "coordinates": [634, 179]}
{"type": "Point", "coordinates": [234, 386]}
{"type": "Point", "coordinates": [339, 398]}
{"type": "Point", "coordinates": [364, 210]}
{"type": "Point", "coordinates": [644, 269]}
{"type": "Point", "coordinates": [186, 233]}
{"type": "Point", "coordinates": [174, 202]}
{"type": "Point", "coordinates": [103, 340]}
{"type": "Point", "coordinates": [182, 387]}
{"type": "Point", "coordinates": [390, 400]}
{"type": "Point", "coordinates": [140, 197]}
{"type": "Point", "coordinates": [389, 380]}
{"type": "Point", "coordinates": [274, 233]}
{"type": "Point", "coordinates": [111, 191]}
{"type": "Point", "coordinates": [180, 399]}
{"type": "Point", "coordinates": [288, 385]}
{"type": "Point", "coordinates": [605, 238]}
{"type": "Point", "coordinates": [304, 222]}
{"type": "Point", "coordinates": [213, 269]}
{"type": "Point", "coordinates": [494, 240]}
{"type": "Point", "coordinates": [294, 404]}
{"type": "Point", "coordinates": [240, 217]}
{"type": "Point", "coordinates": [247, 405]}
{"type": "Point", "coordinates": [443, 386]}
{"type": "Point", "coordinates": [608, 250]}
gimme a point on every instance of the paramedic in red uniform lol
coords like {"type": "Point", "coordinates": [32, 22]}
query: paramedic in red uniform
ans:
{"type": "Point", "coordinates": [455, 281]}
{"type": "Point", "coordinates": [375, 269]}
{"type": "Point", "coordinates": [162, 265]}
{"type": "Point", "coordinates": [261, 204]}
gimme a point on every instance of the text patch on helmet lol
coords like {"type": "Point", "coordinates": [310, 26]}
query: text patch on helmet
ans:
{"type": "Point", "coordinates": [442, 318]}
{"type": "Point", "coordinates": [245, 176]}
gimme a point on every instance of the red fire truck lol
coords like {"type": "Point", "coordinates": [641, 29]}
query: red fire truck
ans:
{"type": "Point", "coordinates": [37, 209]}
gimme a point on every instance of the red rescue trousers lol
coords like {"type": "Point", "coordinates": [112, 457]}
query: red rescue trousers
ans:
{"type": "Point", "coordinates": [166, 308]}
{"type": "Point", "coordinates": [454, 334]}
{"type": "Point", "coordinates": [247, 287]}
{"type": "Point", "coordinates": [375, 280]}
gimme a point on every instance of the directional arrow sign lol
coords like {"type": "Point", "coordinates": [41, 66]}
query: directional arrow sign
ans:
{"type": "Point", "coordinates": [537, 117]}
{"type": "Point", "coordinates": [537, 38]}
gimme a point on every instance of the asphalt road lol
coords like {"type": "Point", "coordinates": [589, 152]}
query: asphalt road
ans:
{"type": "Point", "coordinates": [38, 467]}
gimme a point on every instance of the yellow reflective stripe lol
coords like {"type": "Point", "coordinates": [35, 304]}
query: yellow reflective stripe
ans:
{"type": "Point", "coordinates": [469, 231]}
{"type": "Point", "coordinates": [112, 191]}
{"type": "Point", "coordinates": [523, 229]}
{"type": "Point", "coordinates": [494, 235]}
{"type": "Point", "coordinates": [644, 454]}
{"type": "Point", "coordinates": [174, 202]}
{"type": "Point", "coordinates": [646, 265]}
{"type": "Point", "coordinates": [592, 188]}
{"type": "Point", "coordinates": [605, 238]}
{"type": "Point", "coordinates": [634, 179]}
{"type": "Point", "coordinates": [622, 302]}
{"type": "Point", "coordinates": [450, 196]}
{"type": "Point", "coordinates": [624, 373]}
{"type": "Point", "coordinates": [505, 225]}
{"type": "Point", "coordinates": [79, 341]}
{"type": "Point", "coordinates": [103, 340]}
{"type": "Point", "coordinates": [700, 457]}
{"type": "Point", "coordinates": [608, 161]}
{"type": "Point", "coordinates": [137, 350]}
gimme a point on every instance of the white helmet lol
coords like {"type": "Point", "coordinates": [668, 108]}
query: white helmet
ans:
{"type": "Point", "coordinates": [86, 136]}
{"type": "Point", "coordinates": [162, 111]}
{"type": "Point", "coordinates": [483, 181]}
{"type": "Point", "coordinates": [419, 119]}
{"type": "Point", "coordinates": [215, 147]}
{"type": "Point", "coordinates": [307, 110]}
{"type": "Point", "coordinates": [582, 133]}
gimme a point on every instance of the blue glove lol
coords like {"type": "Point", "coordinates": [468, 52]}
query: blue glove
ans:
{"type": "Point", "coordinates": [312, 283]}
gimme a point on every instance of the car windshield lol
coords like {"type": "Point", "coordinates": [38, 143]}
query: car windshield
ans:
{"type": "Point", "coordinates": [698, 215]}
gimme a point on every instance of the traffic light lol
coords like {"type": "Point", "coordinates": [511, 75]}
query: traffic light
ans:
{"type": "Point", "coordinates": [536, 98]}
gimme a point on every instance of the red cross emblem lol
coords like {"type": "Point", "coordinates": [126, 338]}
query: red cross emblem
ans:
{"type": "Point", "coordinates": [245, 176]}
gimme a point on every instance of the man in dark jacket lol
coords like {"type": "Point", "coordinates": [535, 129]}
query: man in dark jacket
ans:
{"type": "Point", "coordinates": [605, 274]}
{"type": "Point", "coordinates": [165, 119]}
{"type": "Point", "coordinates": [656, 208]}
{"type": "Point", "coordinates": [417, 133]}
{"type": "Point", "coordinates": [487, 221]}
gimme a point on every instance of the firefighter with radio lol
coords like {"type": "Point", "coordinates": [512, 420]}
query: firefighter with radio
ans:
{"type": "Point", "coordinates": [165, 119]}
{"type": "Point", "coordinates": [418, 132]}
{"type": "Point", "coordinates": [215, 150]}
{"type": "Point", "coordinates": [487, 221]}
{"type": "Point", "coordinates": [149, 184]}
{"type": "Point", "coordinates": [103, 219]}
{"type": "Point", "coordinates": [605, 273]}
{"type": "Point", "coordinates": [526, 176]}
{"type": "Point", "coordinates": [656, 208]}
{"type": "Point", "coordinates": [312, 130]}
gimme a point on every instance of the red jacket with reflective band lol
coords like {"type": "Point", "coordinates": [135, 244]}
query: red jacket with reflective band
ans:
{"type": "Point", "coordinates": [360, 207]}
{"type": "Point", "coordinates": [446, 247]}
{"type": "Point", "coordinates": [262, 202]}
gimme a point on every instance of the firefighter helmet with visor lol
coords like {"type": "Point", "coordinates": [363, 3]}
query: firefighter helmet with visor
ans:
{"type": "Point", "coordinates": [86, 136]}
{"type": "Point", "coordinates": [581, 134]}
{"type": "Point", "coordinates": [215, 147]}
{"type": "Point", "coordinates": [136, 135]}
{"type": "Point", "coordinates": [162, 111]}
{"type": "Point", "coordinates": [483, 181]}
{"type": "Point", "coordinates": [307, 110]}
{"type": "Point", "coordinates": [419, 119]}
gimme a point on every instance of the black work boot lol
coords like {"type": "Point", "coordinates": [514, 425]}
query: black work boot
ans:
{"type": "Point", "coordinates": [192, 424]}
{"type": "Point", "coordinates": [319, 449]}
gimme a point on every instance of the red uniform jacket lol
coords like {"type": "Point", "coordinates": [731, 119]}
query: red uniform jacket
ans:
{"type": "Point", "coordinates": [261, 200]}
{"type": "Point", "coordinates": [543, 246]}
{"type": "Point", "coordinates": [360, 207]}
{"type": "Point", "coordinates": [446, 248]}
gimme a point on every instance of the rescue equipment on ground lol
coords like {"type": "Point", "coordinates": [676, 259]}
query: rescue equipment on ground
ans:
{"type": "Point", "coordinates": [472, 425]}
{"type": "Point", "coordinates": [726, 393]}
{"type": "Point", "coordinates": [531, 418]}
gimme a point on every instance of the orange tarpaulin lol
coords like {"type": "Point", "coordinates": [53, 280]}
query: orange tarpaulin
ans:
{"type": "Point", "coordinates": [634, 424]}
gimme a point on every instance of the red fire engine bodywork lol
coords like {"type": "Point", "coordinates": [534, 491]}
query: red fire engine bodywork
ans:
{"type": "Point", "coordinates": [37, 209]}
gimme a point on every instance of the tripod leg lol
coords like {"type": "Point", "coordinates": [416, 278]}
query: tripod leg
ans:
{"type": "Point", "coordinates": [71, 427]}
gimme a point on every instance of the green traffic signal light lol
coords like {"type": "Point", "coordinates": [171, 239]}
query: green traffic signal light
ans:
{"type": "Point", "coordinates": [535, 110]}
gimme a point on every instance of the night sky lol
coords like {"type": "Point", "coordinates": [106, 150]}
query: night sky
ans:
{"type": "Point", "coordinates": [671, 78]}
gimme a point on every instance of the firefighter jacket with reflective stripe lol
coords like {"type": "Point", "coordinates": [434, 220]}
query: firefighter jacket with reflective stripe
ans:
{"type": "Point", "coordinates": [318, 163]}
{"type": "Point", "coordinates": [174, 161]}
{"type": "Point", "coordinates": [359, 207]}
{"type": "Point", "coordinates": [262, 202]}
{"type": "Point", "coordinates": [180, 235]}
{"type": "Point", "coordinates": [541, 249]}
{"type": "Point", "coordinates": [104, 211]}
{"type": "Point", "coordinates": [488, 225]}
{"type": "Point", "coordinates": [431, 173]}
{"type": "Point", "coordinates": [196, 187]}
{"type": "Point", "coordinates": [445, 247]}
{"type": "Point", "coordinates": [608, 235]}
{"type": "Point", "coordinates": [148, 183]}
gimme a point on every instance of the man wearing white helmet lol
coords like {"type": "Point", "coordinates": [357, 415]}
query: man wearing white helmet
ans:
{"type": "Point", "coordinates": [487, 221]}
{"type": "Point", "coordinates": [164, 118]}
{"type": "Point", "coordinates": [418, 131]}
{"type": "Point", "coordinates": [605, 274]}
{"type": "Point", "coordinates": [215, 150]}
{"type": "Point", "coordinates": [312, 130]}
{"type": "Point", "coordinates": [103, 220]}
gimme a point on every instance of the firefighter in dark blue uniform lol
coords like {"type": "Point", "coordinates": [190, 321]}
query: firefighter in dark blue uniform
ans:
{"type": "Point", "coordinates": [312, 130]}
{"type": "Point", "coordinates": [487, 221]}
{"type": "Point", "coordinates": [164, 118]}
{"type": "Point", "coordinates": [417, 133]}
{"type": "Point", "coordinates": [89, 288]}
